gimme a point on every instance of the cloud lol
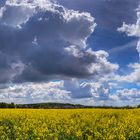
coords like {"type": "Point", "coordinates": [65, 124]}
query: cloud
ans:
{"type": "Point", "coordinates": [133, 76]}
{"type": "Point", "coordinates": [31, 92]}
{"type": "Point", "coordinates": [44, 55]}
{"type": "Point", "coordinates": [47, 41]}
{"type": "Point", "coordinates": [88, 90]}
{"type": "Point", "coordinates": [106, 9]}
{"type": "Point", "coordinates": [74, 91]}
{"type": "Point", "coordinates": [129, 94]}
{"type": "Point", "coordinates": [132, 29]}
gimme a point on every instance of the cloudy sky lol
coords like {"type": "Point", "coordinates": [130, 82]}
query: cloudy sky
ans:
{"type": "Point", "coordinates": [71, 51]}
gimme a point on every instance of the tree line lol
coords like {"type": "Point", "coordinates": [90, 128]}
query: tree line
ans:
{"type": "Point", "coordinates": [59, 106]}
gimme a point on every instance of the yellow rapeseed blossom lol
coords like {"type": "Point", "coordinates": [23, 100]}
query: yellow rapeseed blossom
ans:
{"type": "Point", "coordinates": [69, 124]}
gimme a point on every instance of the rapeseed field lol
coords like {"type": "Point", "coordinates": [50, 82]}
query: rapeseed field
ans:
{"type": "Point", "coordinates": [69, 124]}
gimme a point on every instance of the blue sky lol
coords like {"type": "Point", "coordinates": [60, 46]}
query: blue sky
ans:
{"type": "Point", "coordinates": [74, 51]}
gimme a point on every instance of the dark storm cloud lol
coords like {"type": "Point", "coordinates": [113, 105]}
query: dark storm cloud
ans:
{"type": "Point", "coordinates": [42, 40]}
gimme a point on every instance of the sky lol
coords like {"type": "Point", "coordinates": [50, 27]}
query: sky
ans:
{"type": "Point", "coordinates": [70, 51]}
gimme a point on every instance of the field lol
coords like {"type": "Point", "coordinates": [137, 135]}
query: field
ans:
{"type": "Point", "coordinates": [69, 124]}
